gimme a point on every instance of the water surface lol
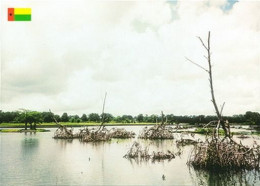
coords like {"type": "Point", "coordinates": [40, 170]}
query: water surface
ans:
{"type": "Point", "coordinates": [38, 159]}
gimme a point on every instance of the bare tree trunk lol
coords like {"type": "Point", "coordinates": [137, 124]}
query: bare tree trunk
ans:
{"type": "Point", "coordinates": [103, 115]}
{"type": "Point", "coordinates": [162, 118]}
{"type": "Point", "coordinates": [209, 71]}
{"type": "Point", "coordinates": [69, 132]}
{"type": "Point", "coordinates": [220, 119]}
{"type": "Point", "coordinates": [26, 125]}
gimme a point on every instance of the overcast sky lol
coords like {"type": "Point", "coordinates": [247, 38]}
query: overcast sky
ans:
{"type": "Point", "coordinates": [73, 51]}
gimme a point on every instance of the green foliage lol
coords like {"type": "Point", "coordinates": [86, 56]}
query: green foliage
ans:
{"type": "Point", "coordinates": [74, 119]}
{"type": "Point", "coordinates": [107, 117]}
{"type": "Point", "coordinates": [33, 116]}
{"type": "Point", "coordinates": [22, 130]}
{"type": "Point", "coordinates": [140, 118]}
{"type": "Point", "coordinates": [207, 131]}
{"type": "Point", "coordinates": [203, 130]}
{"type": "Point", "coordinates": [64, 117]}
{"type": "Point", "coordinates": [94, 117]}
{"type": "Point", "coordinates": [84, 118]}
{"type": "Point", "coordinates": [253, 117]}
{"type": "Point", "coordinates": [47, 117]}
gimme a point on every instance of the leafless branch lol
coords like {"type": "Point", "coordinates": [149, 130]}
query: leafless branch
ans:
{"type": "Point", "coordinates": [209, 70]}
{"type": "Point", "coordinates": [210, 123]}
{"type": "Point", "coordinates": [202, 43]}
{"type": "Point", "coordinates": [103, 115]}
{"type": "Point", "coordinates": [54, 118]}
{"type": "Point", "coordinates": [197, 64]}
{"type": "Point", "coordinates": [222, 107]}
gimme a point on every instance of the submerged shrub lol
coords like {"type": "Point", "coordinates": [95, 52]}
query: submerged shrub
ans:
{"type": "Point", "coordinates": [156, 132]}
{"type": "Point", "coordinates": [219, 154]}
{"type": "Point", "coordinates": [121, 133]}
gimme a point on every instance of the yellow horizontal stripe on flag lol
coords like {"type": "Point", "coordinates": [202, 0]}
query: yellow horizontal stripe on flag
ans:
{"type": "Point", "coordinates": [19, 11]}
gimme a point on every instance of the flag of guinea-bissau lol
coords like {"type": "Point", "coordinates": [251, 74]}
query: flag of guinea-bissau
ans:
{"type": "Point", "coordinates": [19, 14]}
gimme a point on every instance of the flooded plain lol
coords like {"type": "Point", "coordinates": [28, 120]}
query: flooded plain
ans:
{"type": "Point", "coordinates": [38, 159]}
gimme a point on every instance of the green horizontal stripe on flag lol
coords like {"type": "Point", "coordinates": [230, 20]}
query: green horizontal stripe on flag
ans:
{"type": "Point", "coordinates": [20, 17]}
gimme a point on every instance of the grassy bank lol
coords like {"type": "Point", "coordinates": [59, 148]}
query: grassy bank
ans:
{"type": "Point", "coordinates": [68, 124]}
{"type": "Point", "coordinates": [208, 131]}
{"type": "Point", "coordinates": [22, 130]}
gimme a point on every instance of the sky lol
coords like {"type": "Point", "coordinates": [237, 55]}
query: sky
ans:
{"type": "Point", "coordinates": [73, 51]}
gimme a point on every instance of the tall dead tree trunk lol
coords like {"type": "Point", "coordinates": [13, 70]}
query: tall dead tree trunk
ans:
{"type": "Point", "coordinates": [209, 71]}
{"type": "Point", "coordinates": [103, 114]}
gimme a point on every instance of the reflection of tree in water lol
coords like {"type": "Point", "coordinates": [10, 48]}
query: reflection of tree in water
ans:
{"type": "Point", "coordinates": [29, 133]}
{"type": "Point", "coordinates": [203, 177]}
{"type": "Point", "coordinates": [31, 143]}
{"type": "Point", "coordinates": [63, 142]}
{"type": "Point", "coordinates": [158, 144]}
{"type": "Point", "coordinates": [29, 146]}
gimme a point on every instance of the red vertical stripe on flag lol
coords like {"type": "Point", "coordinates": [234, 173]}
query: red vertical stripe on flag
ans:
{"type": "Point", "coordinates": [10, 14]}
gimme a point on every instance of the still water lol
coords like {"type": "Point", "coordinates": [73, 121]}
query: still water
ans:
{"type": "Point", "coordinates": [38, 159]}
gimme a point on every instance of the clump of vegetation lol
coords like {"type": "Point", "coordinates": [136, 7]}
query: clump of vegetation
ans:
{"type": "Point", "coordinates": [160, 131]}
{"type": "Point", "coordinates": [156, 132]}
{"type": "Point", "coordinates": [242, 136]}
{"type": "Point", "coordinates": [101, 134]}
{"type": "Point", "coordinates": [81, 133]}
{"type": "Point", "coordinates": [217, 154]}
{"type": "Point", "coordinates": [63, 133]}
{"type": "Point", "coordinates": [208, 131]}
{"type": "Point", "coordinates": [121, 133]}
{"type": "Point", "coordinates": [138, 152]}
{"type": "Point", "coordinates": [163, 156]}
{"type": "Point", "coordinates": [96, 135]}
{"type": "Point", "coordinates": [184, 142]}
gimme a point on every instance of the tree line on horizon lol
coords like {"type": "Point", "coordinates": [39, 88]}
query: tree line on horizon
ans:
{"type": "Point", "coordinates": [47, 117]}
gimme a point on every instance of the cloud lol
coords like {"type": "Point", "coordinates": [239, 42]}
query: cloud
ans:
{"type": "Point", "coordinates": [67, 58]}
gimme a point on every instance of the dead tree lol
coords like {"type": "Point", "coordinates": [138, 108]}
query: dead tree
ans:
{"type": "Point", "coordinates": [103, 114]}
{"type": "Point", "coordinates": [158, 131]}
{"type": "Point", "coordinates": [209, 71]}
{"type": "Point", "coordinates": [62, 132]}
{"type": "Point", "coordinates": [222, 154]}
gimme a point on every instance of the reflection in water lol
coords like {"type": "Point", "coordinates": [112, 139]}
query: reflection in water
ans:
{"type": "Point", "coordinates": [30, 133]}
{"type": "Point", "coordinates": [205, 177]}
{"type": "Point", "coordinates": [29, 143]}
{"type": "Point", "coordinates": [63, 142]}
{"type": "Point", "coordinates": [138, 161]}
{"type": "Point", "coordinates": [38, 159]}
{"type": "Point", "coordinates": [29, 149]}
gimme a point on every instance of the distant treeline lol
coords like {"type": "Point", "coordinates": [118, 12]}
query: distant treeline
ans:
{"type": "Point", "coordinates": [47, 117]}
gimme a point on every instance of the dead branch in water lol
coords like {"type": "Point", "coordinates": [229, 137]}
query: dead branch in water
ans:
{"type": "Point", "coordinates": [62, 132]}
{"type": "Point", "coordinates": [121, 133]}
{"type": "Point", "coordinates": [217, 154]}
{"type": "Point", "coordinates": [101, 134]}
{"type": "Point", "coordinates": [95, 136]}
{"type": "Point", "coordinates": [138, 152]}
{"type": "Point", "coordinates": [160, 131]}
{"type": "Point", "coordinates": [103, 115]}
{"type": "Point", "coordinates": [220, 153]}
{"type": "Point", "coordinates": [184, 142]}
